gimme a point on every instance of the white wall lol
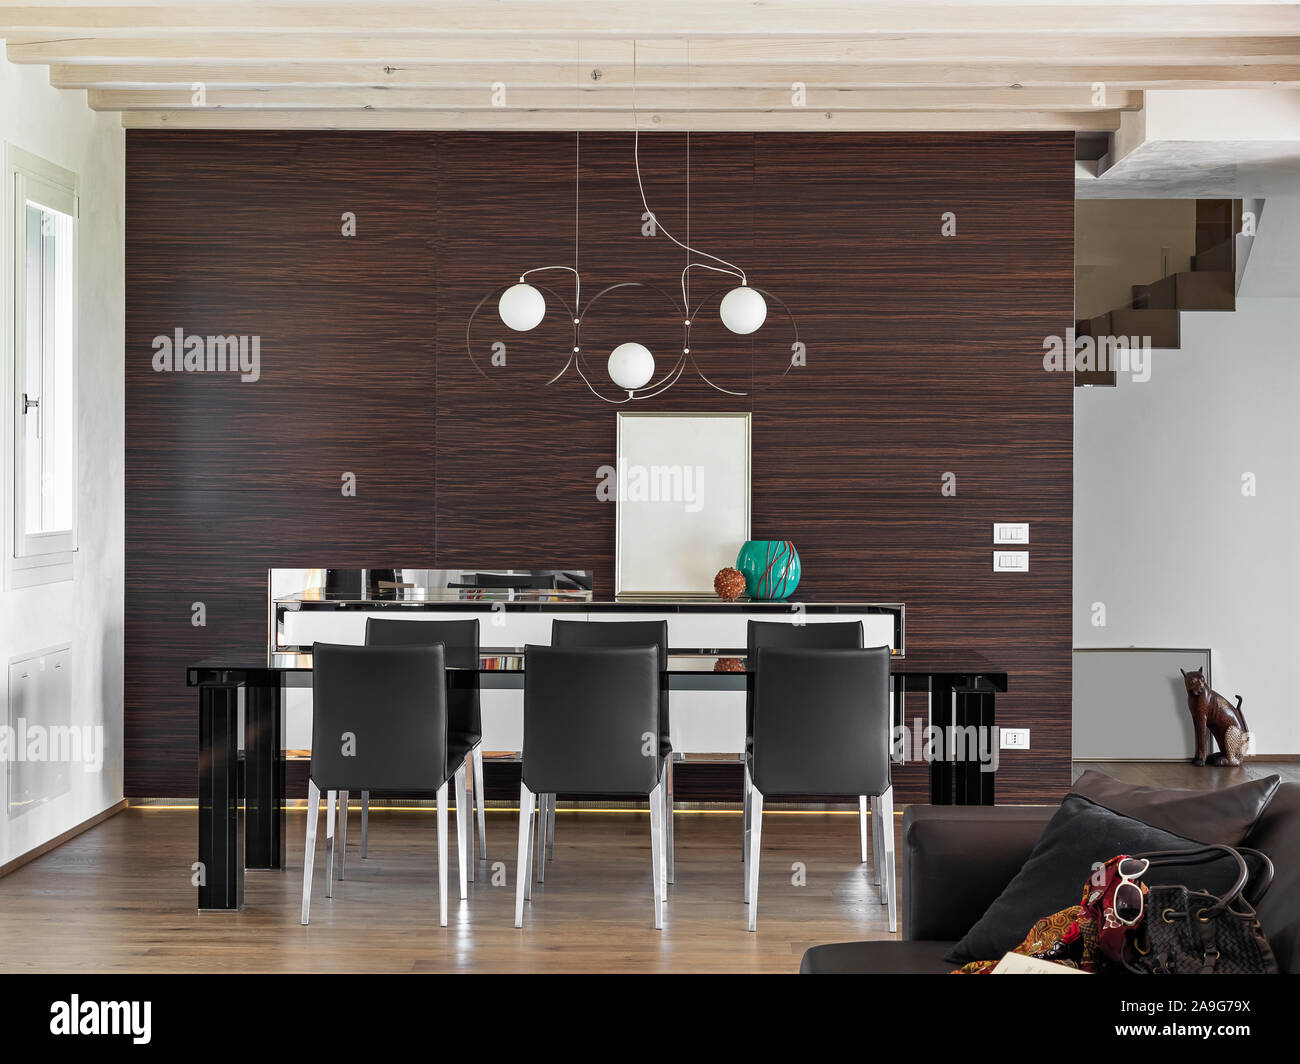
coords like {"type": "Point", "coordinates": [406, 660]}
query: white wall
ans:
{"type": "Point", "coordinates": [1163, 534]}
{"type": "Point", "coordinates": [86, 611]}
{"type": "Point", "coordinates": [1272, 269]}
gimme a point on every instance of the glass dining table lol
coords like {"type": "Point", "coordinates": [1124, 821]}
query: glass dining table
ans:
{"type": "Point", "coordinates": [242, 789]}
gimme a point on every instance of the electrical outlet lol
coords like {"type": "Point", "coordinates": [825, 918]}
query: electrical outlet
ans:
{"type": "Point", "coordinates": [1015, 738]}
{"type": "Point", "coordinates": [1011, 561]}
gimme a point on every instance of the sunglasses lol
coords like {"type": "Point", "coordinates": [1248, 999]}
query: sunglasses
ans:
{"type": "Point", "coordinates": [1129, 898]}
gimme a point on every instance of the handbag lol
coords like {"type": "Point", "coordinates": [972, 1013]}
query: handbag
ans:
{"type": "Point", "coordinates": [1195, 931]}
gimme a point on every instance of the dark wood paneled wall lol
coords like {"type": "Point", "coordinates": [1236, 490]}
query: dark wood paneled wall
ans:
{"type": "Point", "coordinates": [924, 358]}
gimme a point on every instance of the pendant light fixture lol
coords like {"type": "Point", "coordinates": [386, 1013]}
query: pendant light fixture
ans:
{"type": "Point", "coordinates": [631, 365]}
{"type": "Point", "coordinates": [522, 307]}
{"type": "Point", "coordinates": [743, 310]}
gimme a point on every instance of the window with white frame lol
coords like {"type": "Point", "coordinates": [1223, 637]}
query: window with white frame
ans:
{"type": "Point", "coordinates": [42, 226]}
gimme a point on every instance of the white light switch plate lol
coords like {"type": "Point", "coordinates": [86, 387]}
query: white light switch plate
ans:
{"type": "Point", "coordinates": [1010, 534]}
{"type": "Point", "coordinates": [1011, 561]}
{"type": "Point", "coordinates": [1015, 739]}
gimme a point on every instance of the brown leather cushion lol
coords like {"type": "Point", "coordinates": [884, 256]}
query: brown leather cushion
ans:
{"type": "Point", "coordinates": [1225, 815]}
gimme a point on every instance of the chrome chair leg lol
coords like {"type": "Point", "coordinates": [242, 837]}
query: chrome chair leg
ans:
{"type": "Point", "coordinates": [747, 818]}
{"type": "Point", "coordinates": [668, 817]}
{"type": "Point", "coordinates": [744, 821]}
{"type": "Point", "coordinates": [343, 832]}
{"type": "Point", "coordinates": [657, 852]}
{"type": "Point", "coordinates": [888, 874]}
{"type": "Point", "coordinates": [462, 833]}
{"type": "Point", "coordinates": [663, 833]}
{"type": "Point", "coordinates": [863, 802]}
{"type": "Point", "coordinates": [755, 844]}
{"type": "Point", "coordinates": [365, 824]}
{"type": "Point", "coordinates": [534, 823]}
{"type": "Point", "coordinates": [550, 827]}
{"type": "Point", "coordinates": [523, 874]}
{"type": "Point", "coordinates": [480, 793]}
{"type": "Point", "coordinates": [543, 819]}
{"type": "Point", "coordinates": [471, 797]}
{"type": "Point", "coordinates": [329, 843]}
{"type": "Point", "coordinates": [309, 852]}
{"type": "Point", "coordinates": [877, 843]}
{"type": "Point", "coordinates": [442, 855]}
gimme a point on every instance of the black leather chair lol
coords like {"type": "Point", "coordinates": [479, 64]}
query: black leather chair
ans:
{"type": "Point", "coordinates": [618, 634]}
{"type": "Point", "coordinates": [464, 717]}
{"type": "Point", "coordinates": [587, 715]}
{"type": "Point", "coordinates": [379, 721]}
{"type": "Point", "coordinates": [833, 635]}
{"type": "Point", "coordinates": [821, 726]}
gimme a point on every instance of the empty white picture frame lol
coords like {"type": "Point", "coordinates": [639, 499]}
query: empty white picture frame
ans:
{"type": "Point", "coordinates": [681, 491]}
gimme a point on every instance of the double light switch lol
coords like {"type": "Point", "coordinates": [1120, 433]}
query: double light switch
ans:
{"type": "Point", "coordinates": [1011, 535]}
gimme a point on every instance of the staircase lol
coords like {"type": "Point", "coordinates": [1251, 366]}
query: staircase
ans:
{"type": "Point", "coordinates": [1156, 308]}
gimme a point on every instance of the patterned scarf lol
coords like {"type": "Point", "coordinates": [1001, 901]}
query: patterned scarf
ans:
{"type": "Point", "coordinates": [1087, 936]}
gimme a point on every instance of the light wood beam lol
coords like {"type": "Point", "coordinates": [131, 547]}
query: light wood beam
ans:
{"type": "Point", "coordinates": [775, 121]}
{"type": "Point", "coordinates": [543, 76]}
{"type": "Point", "coordinates": [212, 48]}
{"type": "Point", "coordinates": [662, 18]}
{"type": "Point", "coordinates": [608, 99]}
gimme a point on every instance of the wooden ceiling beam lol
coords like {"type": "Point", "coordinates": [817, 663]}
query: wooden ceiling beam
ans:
{"type": "Point", "coordinates": [724, 64]}
{"type": "Point", "coordinates": [215, 48]}
{"type": "Point", "coordinates": [546, 76]}
{"type": "Point", "coordinates": [696, 121]}
{"type": "Point", "coordinates": [668, 19]}
{"type": "Point", "coordinates": [610, 99]}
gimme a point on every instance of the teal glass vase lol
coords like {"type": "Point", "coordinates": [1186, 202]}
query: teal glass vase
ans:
{"type": "Point", "coordinates": [771, 568]}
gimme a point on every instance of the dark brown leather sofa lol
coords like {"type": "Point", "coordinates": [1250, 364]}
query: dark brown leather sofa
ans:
{"type": "Point", "coordinates": [958, 859]}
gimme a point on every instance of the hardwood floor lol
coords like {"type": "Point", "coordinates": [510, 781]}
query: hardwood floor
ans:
{"type": "Point", "coordinates": [119, 898]}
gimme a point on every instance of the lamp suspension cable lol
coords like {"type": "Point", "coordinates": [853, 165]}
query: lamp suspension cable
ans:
{"type": "Point", "coordinates": [731, 267]}
{"type": "Point", "coordinates": [577, 276]}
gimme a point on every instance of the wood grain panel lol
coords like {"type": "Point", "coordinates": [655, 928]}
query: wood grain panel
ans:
{"type": "Point", "coordinates": [924, 357]}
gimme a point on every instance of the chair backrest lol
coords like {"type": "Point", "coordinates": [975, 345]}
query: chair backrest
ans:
{"type": "Point", "coordinates": [821, 721]}
{"type": "Point", "coordinates": [619, 634]}
{"type": "Point", "coordinates": [460, 643]}
{"type": "Point", "coordinates": [612, 634]}
{"type": "Point", "coordinates": [591, 720]}
{"type": "Point", "coordinates": [379, 718]}
{"type": "Point", "coordinates": [833, 635]}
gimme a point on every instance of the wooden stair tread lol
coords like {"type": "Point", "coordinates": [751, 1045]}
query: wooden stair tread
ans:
{"type": "Point", "coordinates": [1221, 258]}
{"type": "Point", "coordinates": [1189, 290]}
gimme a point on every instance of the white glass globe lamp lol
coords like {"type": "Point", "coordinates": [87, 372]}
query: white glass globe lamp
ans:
{"type": "Point", "coordinates": [631, 366]}
{"type": "Point", "coordinates": [743, 310]}
{"type": "Point", "coordinates": [521, 307]}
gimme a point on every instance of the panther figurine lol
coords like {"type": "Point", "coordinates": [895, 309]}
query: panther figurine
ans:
{"type": "Point", "coordinates": [1213, 713]}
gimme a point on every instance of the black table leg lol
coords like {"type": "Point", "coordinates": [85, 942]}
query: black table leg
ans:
{"type": "Point", "coordinates": [941, 719]}
{"type": "Point", "coordinates": [263, 777]}
{"type": "Point", "coordinates": [962, 709]}
{"type": "Point", "coordinates": [972, 785]}
{"type": "Point", "coordinates": [221, 852]}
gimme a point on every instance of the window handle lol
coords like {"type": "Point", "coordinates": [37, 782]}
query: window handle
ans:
{"type": "Point", "coordinates": [28, 403]}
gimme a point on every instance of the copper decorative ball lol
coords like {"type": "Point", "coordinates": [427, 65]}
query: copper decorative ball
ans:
{"type": "Point", "coordinates": [729, 584]}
